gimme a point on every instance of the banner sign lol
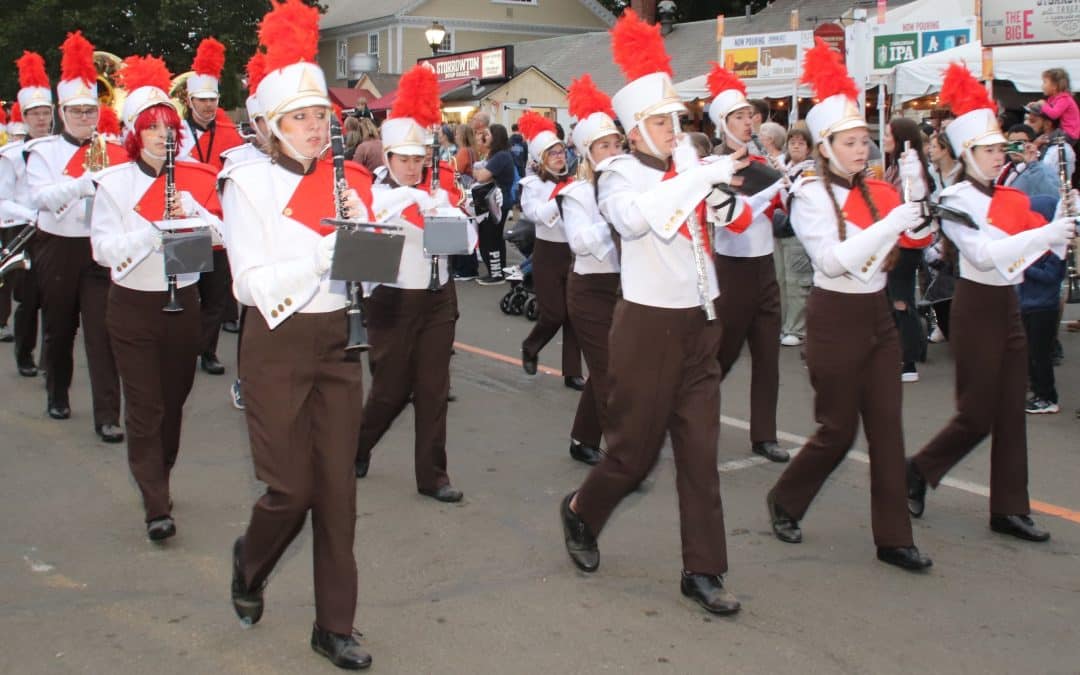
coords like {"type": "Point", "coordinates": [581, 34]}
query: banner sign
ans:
{"type": "Point", "coordinates": [898, 43]}
{"type": "Point", "coordinates": [767, 56]}
{"type": "Point", "coordinates": [488, 64]}
{"type": "Point", "coordinates": [1016, 22]}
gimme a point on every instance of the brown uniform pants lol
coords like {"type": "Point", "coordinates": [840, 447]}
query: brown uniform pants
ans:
{"type": "Point", "coordinates": [22, 285]}
{"type": "Point", "coordinates": [552, 262]}
{"type": "Point", "coordinates": [664, 379]}
{"type": "Point", "coordinates": [155, 353]}
{"type": "Point", "coordinates": [988, 343]}
{"type": "Point", "coordinates": [853, 355]}
{"type": "Point", "coordinates": [215, 293]}
{"type": "Point", "coordinates": [303, 404]}
{"type": "Point", "coordinates": [74, 287]}
{"type": "Point", "coordinates": [411, 334]}
{"type": "Point", "coordinates": [590, 302]}
{"type": "Point", "coordinates": [749, 311]}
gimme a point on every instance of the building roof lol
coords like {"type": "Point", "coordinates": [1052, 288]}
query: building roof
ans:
{"type": "Point", "coordinates": [344, 12]}
{"type": "Point", "coordinates": [691, 45]}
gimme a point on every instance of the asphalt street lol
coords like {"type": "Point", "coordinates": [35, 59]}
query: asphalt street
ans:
{"type": "Point", "coordinates": [486, 587]}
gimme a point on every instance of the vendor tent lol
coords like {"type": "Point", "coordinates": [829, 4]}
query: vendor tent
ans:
{"type": "Point", "coordinates": [696, 87]}
{"type": "Point", "coordinates": [1021, 64]}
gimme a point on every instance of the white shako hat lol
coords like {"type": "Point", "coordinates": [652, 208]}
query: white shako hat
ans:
{"type": "Point", "coordinates": [34, 90]}
{"type": "Point", "coordinates": [290, 34]}
{"type": "Point", "coordinates": [207, 65]}
{"type": "Point", "coordinates": [592, 108]}
{"type": "Point", "coordinates": [638, 50]}
{"type": "Point", "coordinates": [16, 127]}
{"type": "Point", "coordinates": [976, 114]}
{"type": "Point", "coordinates": [539, 133]}
{"type": "Point", "coordinates": [78, 77]}
{"type": "Point", "coordinates": [407, 129]}
{"type": "Point", "coordinates": [837, 108]}
{"type": "Point", "coordinates": [146, 78]}
{"type": "Point", "coordinates": [729, 94]}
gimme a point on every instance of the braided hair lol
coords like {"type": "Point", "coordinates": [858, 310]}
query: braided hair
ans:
{"type": "Point", "coordinates": [864, 190]}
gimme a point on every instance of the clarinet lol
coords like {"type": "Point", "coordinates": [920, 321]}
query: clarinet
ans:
{"type": "Point", "coordinates": [358, 338]}
{"type": "Point", "coordinates": [173, 305]}
{"type": "Point", "coordinates": [433, 281]}
{"type": "Point", "coordinates": [1068, 210]}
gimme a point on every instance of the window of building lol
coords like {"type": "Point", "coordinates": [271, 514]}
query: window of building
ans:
{"type": "Point", "coordinates": [373, 43]}
{"type": "Point", "coordinates": [447, 46]}
{"type": "Point", "coordinates": [342, 59]}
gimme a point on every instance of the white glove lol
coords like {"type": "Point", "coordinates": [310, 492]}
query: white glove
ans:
{"type": "Point", "coordinates": [596, 239]}
{"type": "Point", "coordinates": [324, 253]}
{"type": "Point", "coordinates": [904, 217]}
{"type": "Point", "coordinates": [685, 157]}
{"type": "Point", "coordinates": [150, 236]}
{"type": "Point", "coordinates": [355, 207]}
{"type": "Point", "coordinates": [911, 174]}
{"type": "Point", "coordinates": [86, 185]}
{"type": "Point", "coordinates": [14, 211]}
{"type": "Point", "coordinates": [717, 171]}
{"type": "Point", "coordinates": [1074, 198]}
{"type": "Point", "coordinates": [60, 195]}
{"type": "Point", "coordinates": [188, 204]}
{"type": "Point", "coordinates": [1059, 232]}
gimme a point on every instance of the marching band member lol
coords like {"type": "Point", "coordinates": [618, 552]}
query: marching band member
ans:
{"type": "Point", "coordinates": [155, 351]}
{"type": "Point", "coordinates": [17, 212]}
{"type": "Point", "coordinates": [593, 286]}
{"type": "Point", "coordinates": [17, 126]}
{"type": "Point", "coordinates": [208, 133]}
{"type": "Point", "coordinates": [302, 395]}
{"type": "Point", "coordinates": [985, 330]}
{"type": "Point", "coordinates": [411, 321]}
{"type": "Point", "coordinates": [750, 299]}
{"type": "Point", "coordinates": [666, 283]}
{"type": "Point", "coordinates": [848, 225]}
{"type": "Point", "coordinates": [73, 288]}
{"type": "Point", "coordinates": [552, 258]}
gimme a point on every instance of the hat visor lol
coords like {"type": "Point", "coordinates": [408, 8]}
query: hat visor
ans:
{"type": "Point", "coordinates": [205, 94]}
{"type": "Point", "coordinates": [666, 108]}
{"type": "Point", "coordinates": [80, 100]}
{"type": "Point", "coordinates": [38, 104]}
{"type": "Point", "coordinates": [411, 149]}
{"type": "Point", "coordinates": [992, 138]}
{"type": "Point", "coordinates": [299, 102]}
{"type": "Point", "coordinates": [847, 125]}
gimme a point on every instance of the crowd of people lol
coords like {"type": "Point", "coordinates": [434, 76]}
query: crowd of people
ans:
{"type": "Point", "coordinates": [659, 254]}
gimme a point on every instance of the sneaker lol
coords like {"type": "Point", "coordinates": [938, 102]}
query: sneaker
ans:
{"type": "Point", "coordinates": [1040, 406]}
{"type": "Point", "coordinates": [6, 335]}
{"type": "Point", "coordinates": [237, 395]}
{"type": "Point", "coordinates": [511, 271]}
{"type": "Point", "coordinates": [909, 374]}
{"type": "Point", "coordinates": [491, 280]}
{"type": "Point", "coordinates": [937, 336]}
{"type": "Point", "coordinates": [791, 340]}
{"type": "Point", "coordinates": [513, 275]}
{"type": "Point", "coordinates": [464, 277]}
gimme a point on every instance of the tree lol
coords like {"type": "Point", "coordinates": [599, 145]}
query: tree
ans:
{"type": "Point", "coordinates": [170, 29]}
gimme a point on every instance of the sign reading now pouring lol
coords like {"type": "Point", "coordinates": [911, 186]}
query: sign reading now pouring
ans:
{"type": "Point", "coordinates": [487, 64]}
{"type": "Point", "coordinates": [1014, 22]}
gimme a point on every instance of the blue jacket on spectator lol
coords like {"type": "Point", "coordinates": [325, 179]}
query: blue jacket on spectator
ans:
{"type": "Point", "coordinates": [1038, 178]}
{"type": "Point", "coordinates": [1041, 288]}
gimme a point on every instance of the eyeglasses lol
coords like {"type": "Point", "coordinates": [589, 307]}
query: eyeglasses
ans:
{"type": "Point", "coordinates": [556, 153]}
{"type": "Point", "coordinates": [88, 111]}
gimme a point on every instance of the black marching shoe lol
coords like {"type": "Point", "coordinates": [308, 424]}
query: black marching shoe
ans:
{"type": "Point", "coordinates": [342, 650]}
{"type": "Point", "coordinates": [528, 362]}
{"type": "Point", "coordinates": [161, 529]}
{"type": "Point", "coordinates": [444, 493]}
{"type": "Point", "coordinates": [109, 433]}
{"type": "Point", "coordinates": [585, 453]}
{"type": "Point", "coordinates": [904, 557]}
{"type": "Point", "coordinates": [248, 602]}
{"type": "Point", "coordinates": [210, 364]}
{"type": "Point", "coordinates": [1019, 526]}
{"type": "Point", "coordinates": [230, 326]}
{"type": "Point", "coordinates": [27, 368]}
{"type": "Point", "coordinates": [580, 543]}
{"type": "Point", "coordinates": [59, 411]}
{"type": "Point", "coordinates": [708, 591]}
{"type": "Point", "coordinates": [916, 491]}
{"type": "Point", "coordinates": [770, 450]}
{"type": "Point", "coordinates": [575, 382]}
{"type": "Point", "coordinates": [362, 466]}
{"type": "Point", "coordinates": [784, 526]}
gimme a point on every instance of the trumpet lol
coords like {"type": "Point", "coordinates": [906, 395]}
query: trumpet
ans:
{"type": "Point", "coordinates": [1068, 210]}
{"type": "Point", "coordinates": [13, 256]}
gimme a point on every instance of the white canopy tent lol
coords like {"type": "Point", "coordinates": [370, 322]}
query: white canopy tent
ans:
{"type": "Point", "coordinates": [1021, 64]}
{"type": "Point", "coordinates": [696, 87]}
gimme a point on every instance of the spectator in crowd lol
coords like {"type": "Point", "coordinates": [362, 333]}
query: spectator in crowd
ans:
{"type": "Point", "coordinates": [369, 151]}
{"type": "Point", "coordinates": [465, 139]}
{"type": "Point", "coordinates": [481, 126]}
{"type": "Point", "coordinates": [1059, 104]}
{"type": "Point", "coordinates": [519, 149]}
{"type": "Point", "coordinates": [943, 165]}
{"type": "Point", "coordinates": [351, 130]}
{"type": "Point", "coordinates": [1040, 295]}
{"type": "Point", "coordinates": [773, 137]}
{"type": "Point", "coordinates": [940, 257]}
{"type": "Point", "coordinates": [761, 113]}
{"type": "Point", "coordinates": [498, 167]}
{"type": "Point", "coordinates": [447, 149]}
{"type": "Point", "coordinates": [362, 109]}
{"type": "Point", "coordinates": [1048, 135]}
{"type": "Point", "coordinates": [1023, 170]}
{"type": "Point", "coordinates": [794, 272]}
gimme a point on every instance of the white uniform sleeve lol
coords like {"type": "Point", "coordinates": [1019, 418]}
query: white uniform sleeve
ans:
{"type": "Point", "coordinates": [50, 193]}
{"type": "Point", "coordinates": [1010, 256]}
{"type": "Point", "coordinates": [814, 221]}
{"type": "Point", "coordinates": [663, 209]}
{"type": "Point", "coordinates": [536, 206]}
{"type": "Point", "coordinates": [113, 246]}
{"type": "Point", "coordinates": [761, 201]}
{"type": "Point", "coordinates": [258, 281]}
{"type": "Point", "coordinates": [586, 232]}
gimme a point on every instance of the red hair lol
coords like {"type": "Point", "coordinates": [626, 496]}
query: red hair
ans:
{"type": "Point", "coordinates": [158, 113]}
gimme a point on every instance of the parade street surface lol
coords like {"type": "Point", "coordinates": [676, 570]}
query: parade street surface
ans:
{"type": "Point", "coordinates": [486, 587]}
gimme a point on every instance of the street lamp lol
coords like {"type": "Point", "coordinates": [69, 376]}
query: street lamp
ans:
{"type": "Point", "coordinates": [666, 10]}
{"type": "Point", "coordinates": [434, 36]}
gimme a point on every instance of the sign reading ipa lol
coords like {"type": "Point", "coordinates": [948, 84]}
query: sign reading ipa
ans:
{"type": "Point", "coordinates": [891, 50]}
{"type": "Point", "coordinates": [488, 64]}
{"type": "Point", "coordinates": [1014, 22]}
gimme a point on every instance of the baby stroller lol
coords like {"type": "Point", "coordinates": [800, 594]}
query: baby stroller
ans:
{"type": "Point", "coordinates": [521, 299]}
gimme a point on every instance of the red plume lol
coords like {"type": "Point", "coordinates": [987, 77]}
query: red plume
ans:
{"type": "Point", "coordinates": [77, 60]}
{"type": "Point", "coordinates": [721, 79]}
{"type": "Point", "coordinates": [418, 96]}
{"type": "Point", "coordinates": [108, 122]}
{"type": "Point", "coordinates": [256, 70]}
{"type": "Point", "coordinates": [962, 92]}
{"type": "Point", "coordinates": [532, 123]}
{"type": "Point", "coordinates": [290, 33]}
{"type": "Point", "coordinates": [3, 115]}
{"type": "Point", "coordinates": [824, 71]}
{"type": "Point", "coordinates": [209, 58]}
{"type": "Point", "coordinates": [586, 98]}
{"type": "Point", "coordinates": [637, 47]}
{"type": "Point", "coordinates": [338, 112]}
{"type": "Point", "coordinates": [16, 112]}
{"type": "Point", "coordinates": [32, 70]}
{"type": "Point", "coordinates": [144, 71]}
